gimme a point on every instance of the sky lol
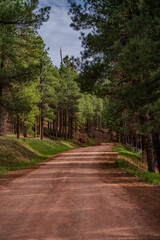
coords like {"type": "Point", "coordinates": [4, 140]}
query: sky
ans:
{"type": "Point", "coordinates": [57, 32]}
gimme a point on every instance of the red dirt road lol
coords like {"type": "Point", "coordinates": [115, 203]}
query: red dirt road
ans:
{"type": "Point", "coordinates": [79, 195]}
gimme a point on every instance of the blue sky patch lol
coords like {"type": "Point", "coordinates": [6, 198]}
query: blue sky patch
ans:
{"type": "Point", "coordinates": [57, 32]}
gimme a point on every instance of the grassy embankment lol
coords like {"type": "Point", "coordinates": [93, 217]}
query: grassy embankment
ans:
{"type": "Point", "coordinates": [131, 162]}
{"type": "Point", "coordinates": [17, 154]}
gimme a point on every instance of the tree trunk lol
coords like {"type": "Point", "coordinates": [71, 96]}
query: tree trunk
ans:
{"type": "Point", "coordinates": [100, 122]}
{"type": "Point", "coordinates": [50, 128]}
{"type": "Point", "coordinates": [134, 140]}
{"type": "Point", "coordinates": [140, 142]}
{"type": "Point", "coordinates": [41, 125]}
{"type": "Point", "coordinates": [150, 153]}
{"type": "Point", "coordinates": [65, 125]}
{"type": "Point", "coordinates": [2, 109]}
{"type": "Point", "coordinates": [60, 120]}
{"type": "Point", "coordinates": [138, 137]}
{"type": "Point", "coordinates": [13, 127]}
{"type": "Point", "coordinates": [131, 139]}
{"type": "Point", "coordinates": [2, 114]}
{"type": "Point", "coordinates": [124, 140]}
{"type": "Point", "coordinates": [56, 129]}
{"type": "Point", "coordinates": [75, 125]}
{"type": "Point", "coordinates": [110, 136]}
{"type": "Point", "coordinates": [35, 130]}
{"type": "Point", "coordinates": [18, 126]}
{"type": "Point", "coordinates": [144, 151]}
{"type": "Point", "coordinates": [71, 122]}
{"type": "Point", "coordinates": [41, 111]}
{"type": "Point", "coordinates": [25, 132]}
{"type": "Point", "coordinates": [156, 143]}
{"type": "Point", "coordinates": [117, 137]}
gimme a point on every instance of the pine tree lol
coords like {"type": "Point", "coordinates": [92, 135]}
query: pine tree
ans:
{"type": "Point", "coordinates": [69, 95]}
{"type": "Point", "coordinates": [122, 46]}
{"type": "Point", "coordinates": [18, 24]}
{"type": "Point", "coordinates": [49, 80]}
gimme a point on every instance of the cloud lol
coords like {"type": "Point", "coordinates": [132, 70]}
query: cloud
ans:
{"type": "Point", "coordinates": [57, 32]}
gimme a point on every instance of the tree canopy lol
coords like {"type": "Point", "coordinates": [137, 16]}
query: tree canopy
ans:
{"type": "Point", "coordinates": [115, 84]}
{"type": "Point", "coordinates": [121, 42]}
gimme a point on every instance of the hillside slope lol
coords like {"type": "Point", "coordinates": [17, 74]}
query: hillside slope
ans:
{"type": "Point", "coordinates": [18, 154]}
{"type": "Point", "coordinates": [21, 153]}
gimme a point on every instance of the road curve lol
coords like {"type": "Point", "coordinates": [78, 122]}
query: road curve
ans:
{"type": "Point", "coordinates": [79, 195]}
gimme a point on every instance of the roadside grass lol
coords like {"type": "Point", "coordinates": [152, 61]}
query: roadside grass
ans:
{"type": "Point", "coordinates": [132, 163]}
{"type": "Point", "coordinates": [125, 153]}
{"type": "Point", "coordinates": [21, 153]}
{"type": "Point", "coordinates": [47, 148]}
{"type": "Point", "coordinates": [90, 142]}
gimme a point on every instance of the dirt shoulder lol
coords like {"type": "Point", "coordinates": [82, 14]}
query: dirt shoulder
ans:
{"type": "Point", "coordinates": [146, 196]}
{"type": "Point", "coordinates": [7, 178]}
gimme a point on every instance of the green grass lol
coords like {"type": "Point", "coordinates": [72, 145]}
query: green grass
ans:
{"type": "Point", "coordinates": [125, 153]}
{"type": "Point", "coordinates": [90, 142]}
{"type": "Point", "coordinates": [17, 154]}
{"type": "Point", "coordinates": [47, 148]}
{"type": "Point", "coordinates": [128, 166]}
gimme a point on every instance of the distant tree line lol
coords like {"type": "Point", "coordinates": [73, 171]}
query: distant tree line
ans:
{"type": "Point", "coordinates": [121, 62]}
{"type": "Point", "coordinates": [37, 98]}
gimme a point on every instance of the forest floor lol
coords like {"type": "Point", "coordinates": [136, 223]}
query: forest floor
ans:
{"type": "Point", "coordinates": [93, 136]}
{"type": "Point", "coordinates": [79, 195]}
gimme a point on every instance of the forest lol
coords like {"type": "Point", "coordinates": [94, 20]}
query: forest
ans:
{"type": "Point", "coordinates": [36, 97]}
{"type": "Point", "coordinates": [120, 63]}
{"type": "Point", "coordinates": [114, 86]}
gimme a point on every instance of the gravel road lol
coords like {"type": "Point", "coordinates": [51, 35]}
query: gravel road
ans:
{"type": "Point", "coordinates": [79, 195]}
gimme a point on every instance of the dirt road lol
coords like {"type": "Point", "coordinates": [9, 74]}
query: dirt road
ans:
{"type": "Point", "coordinates": [79, 195]}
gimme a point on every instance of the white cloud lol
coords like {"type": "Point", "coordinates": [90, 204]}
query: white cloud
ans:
{"type": "Point", "coordinates": [57, 32]}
